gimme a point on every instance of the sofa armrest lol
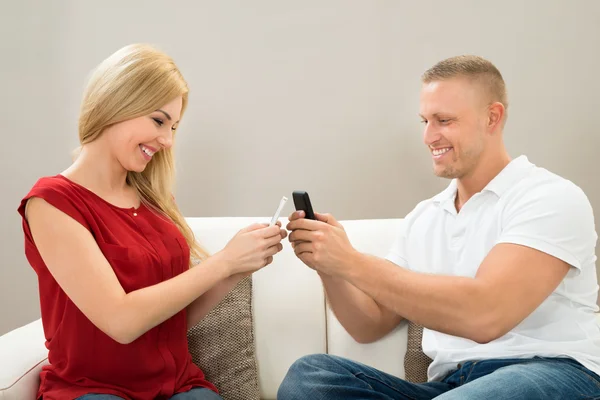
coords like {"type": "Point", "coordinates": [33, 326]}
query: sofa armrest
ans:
{"type": "Point", "coordinates": [22, 355]}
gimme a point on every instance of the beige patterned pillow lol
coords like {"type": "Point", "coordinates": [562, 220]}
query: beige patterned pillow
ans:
{"type": "Point", "coordinates": [415, 361]}
{"type": "Point", "coordinates": [222, 345]}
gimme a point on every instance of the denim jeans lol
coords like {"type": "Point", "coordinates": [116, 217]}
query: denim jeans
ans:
{"type": "Point", "coordinates": [194, 394]}
{"type": "Point", "coordinates": [325, 377]}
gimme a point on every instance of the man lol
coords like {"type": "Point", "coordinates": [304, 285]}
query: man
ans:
{"type": "Point", "coordinates": [499, 268]}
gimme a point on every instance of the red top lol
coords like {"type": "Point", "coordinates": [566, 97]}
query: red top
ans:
{"type": "Point", "coordinates": [143, 249]}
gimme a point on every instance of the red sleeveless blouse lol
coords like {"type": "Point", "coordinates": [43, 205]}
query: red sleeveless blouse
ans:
{"type": "Point", "coordinates": [143, 248]}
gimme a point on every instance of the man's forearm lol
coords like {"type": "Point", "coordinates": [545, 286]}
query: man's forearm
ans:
{"type": "Point", "coordinates": [448, 304]}
{"type": "Point", "coordinates": [359, 314]}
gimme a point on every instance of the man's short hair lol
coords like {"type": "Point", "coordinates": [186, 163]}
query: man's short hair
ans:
{"type": "Point", "coordinates": [471, 67]}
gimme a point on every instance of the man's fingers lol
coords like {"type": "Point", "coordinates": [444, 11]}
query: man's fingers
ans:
{"type": "Point", "coordinates": [328, 219]}
{"type": "Point", "coordinates": [302, 247]}
{"type": "Point", "coordinates": [302, 235]}
{"type": "Point", "coordinates": [296, 215]}
{"type": "Point", "coordinates": [303, 223]}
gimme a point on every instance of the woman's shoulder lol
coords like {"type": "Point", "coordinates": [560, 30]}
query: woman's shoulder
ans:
{"type": "Point", "coordinates": [53, 188]}
{"type": "Point", "coordinates": [52, 182]}
{"type": "Point", "coordinates": [59, 192]}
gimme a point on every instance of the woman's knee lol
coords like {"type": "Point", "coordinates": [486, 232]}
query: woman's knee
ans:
{"type": "Point", "coordinates": [208, 394]}
{"type": "Point", "coordinates": [197, 394]}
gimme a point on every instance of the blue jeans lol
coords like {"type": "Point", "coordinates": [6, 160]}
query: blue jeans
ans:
{"type": "Point", "coordinates": [325, 377]}
{"type": "Point", "coordinates": [194, 394]}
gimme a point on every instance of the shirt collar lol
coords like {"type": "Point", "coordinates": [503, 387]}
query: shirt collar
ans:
{"type": "Point", "coordinates": [509, 176]}
{"type": "Point", "coordinates": [447, 194]}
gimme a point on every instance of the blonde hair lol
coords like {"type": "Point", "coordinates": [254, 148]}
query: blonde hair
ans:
{"type": "Point", "coordinates": [471, 67]}
{"type": "Point", "coordinates": [132, 82]}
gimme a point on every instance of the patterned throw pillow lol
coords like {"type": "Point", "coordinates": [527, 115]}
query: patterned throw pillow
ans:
{"type": "Point", "coordinates": [415, 361]}
{"type": "Point", "coordinates": [222, 345]}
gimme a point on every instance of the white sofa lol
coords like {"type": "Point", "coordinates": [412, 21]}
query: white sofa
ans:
{"type": "Point", "coordinates": [290, 315]}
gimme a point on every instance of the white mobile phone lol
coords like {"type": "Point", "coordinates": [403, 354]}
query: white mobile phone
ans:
{"type": "Point", "coordinates": [276, 216]}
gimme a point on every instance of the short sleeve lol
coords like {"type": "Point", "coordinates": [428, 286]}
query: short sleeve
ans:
{"type": "Point", "coordinates": [398, 253]}
{"type": "Point", "coordinates": [58, 194]}
{"type": "Point", "coordinates": [556, 219]}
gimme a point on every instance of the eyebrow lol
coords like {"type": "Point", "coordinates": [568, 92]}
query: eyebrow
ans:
{"type": "Point", "coordinates": [166, 115]}
{"type": "Point", "coordinates": [437, 115]}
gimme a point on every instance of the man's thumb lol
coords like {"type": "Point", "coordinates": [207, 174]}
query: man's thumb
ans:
{"type": "Point", "coordinates": [327, 218]}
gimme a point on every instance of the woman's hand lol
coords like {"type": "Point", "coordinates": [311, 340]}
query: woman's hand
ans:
{"type": "Point", "coordinates": [253, 248]}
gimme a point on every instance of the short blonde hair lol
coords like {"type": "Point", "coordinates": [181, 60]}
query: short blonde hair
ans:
{"type": "Point", "coordinates": [132, 82]}
{"type": "Point", "coordinates": [471, 67]}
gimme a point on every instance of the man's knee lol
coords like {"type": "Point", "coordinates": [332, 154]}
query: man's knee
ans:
{"type": "Point", "coordinates": [301, 373]}
{"type": "Point", "coordinates": [310, 363]}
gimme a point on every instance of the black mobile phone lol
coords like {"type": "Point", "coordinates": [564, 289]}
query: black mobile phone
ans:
{"type": "Point", "coordinates": [302, 202]}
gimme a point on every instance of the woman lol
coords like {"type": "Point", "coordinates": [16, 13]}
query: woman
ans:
{"type": "Point", "coordinates": [112, 251]}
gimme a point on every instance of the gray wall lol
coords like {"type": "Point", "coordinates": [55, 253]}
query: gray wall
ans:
{"type": "Point", "coordinates": [313, 94]}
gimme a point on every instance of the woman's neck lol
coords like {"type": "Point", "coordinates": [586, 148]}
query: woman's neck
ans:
{"type": "Point", "coordinates": [94, 170]}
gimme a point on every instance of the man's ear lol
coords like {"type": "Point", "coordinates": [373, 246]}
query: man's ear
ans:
{"type": "Point", "coordinates": [496, 112]}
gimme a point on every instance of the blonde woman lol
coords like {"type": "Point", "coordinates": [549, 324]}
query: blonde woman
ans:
{"type": "Point", "coordinates": [112, 250]}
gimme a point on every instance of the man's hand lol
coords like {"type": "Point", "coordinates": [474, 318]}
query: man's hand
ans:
{"type": "Point", "coordinates": [322, 244]}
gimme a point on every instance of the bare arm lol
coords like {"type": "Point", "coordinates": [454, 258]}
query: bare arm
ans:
{"type": "Point", "coordinates": [362, 317]}
{"type": "Point", "coordinates": [511, 283]}
{"type": "Point", "coordinates": [76, 262]}
{"type": "Point", "coordinates": [514, 279]}
{"type": "Point", "coordinates": [200, 307]}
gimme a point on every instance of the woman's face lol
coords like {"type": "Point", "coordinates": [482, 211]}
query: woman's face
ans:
{"type": "Point", "coordinates": [133, 142]}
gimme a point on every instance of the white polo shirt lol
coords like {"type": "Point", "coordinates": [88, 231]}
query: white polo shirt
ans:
{"type": "Point", "coordinates": [525, 205]}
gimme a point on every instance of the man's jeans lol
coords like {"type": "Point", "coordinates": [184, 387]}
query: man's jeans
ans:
{"type": "Point", "coordinates": [325, 377]}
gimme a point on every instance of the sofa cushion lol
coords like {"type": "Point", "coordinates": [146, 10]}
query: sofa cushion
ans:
{"type": "Point", "coordinates": [222, 345]}
{"type": "Point", "coordinates": [415, 361]}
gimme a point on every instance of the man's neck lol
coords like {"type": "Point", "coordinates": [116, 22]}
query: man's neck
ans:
{"type": "Point", "coordinates": [487, 169]}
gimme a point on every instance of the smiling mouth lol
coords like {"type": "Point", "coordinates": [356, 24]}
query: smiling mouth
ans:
{"type": "Point", "coordinates": [146, 152]}
{"type": "Point", "coordinates": [440, 152]}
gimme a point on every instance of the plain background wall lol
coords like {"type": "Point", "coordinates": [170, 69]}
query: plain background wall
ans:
{"type": "Point", "coordinates": [320, 95]}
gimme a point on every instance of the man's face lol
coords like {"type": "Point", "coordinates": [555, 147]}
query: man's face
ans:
{"type": "Point", "coordinates": [454, 113]}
